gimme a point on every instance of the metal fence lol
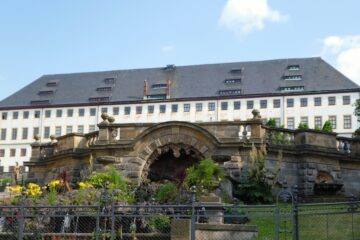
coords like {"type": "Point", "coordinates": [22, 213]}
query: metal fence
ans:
{"type": "Point", "coordinates": [201, 221]}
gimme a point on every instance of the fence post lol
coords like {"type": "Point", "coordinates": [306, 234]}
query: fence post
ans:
{"type": "Point", "coordinates": [296, 212]}
{"type": "Point", "coordinates": [22, 213]}
{"type": "Point", "coordinates": [193, 219]}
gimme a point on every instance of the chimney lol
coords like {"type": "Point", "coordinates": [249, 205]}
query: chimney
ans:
{"type": "Point", "coordinates": [145, 90]}
{"type": "Point", "coordinates": [168, 89]}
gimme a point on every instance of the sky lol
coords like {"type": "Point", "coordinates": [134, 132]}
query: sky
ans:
{"type": "Point", "coordinates": [48, 37]}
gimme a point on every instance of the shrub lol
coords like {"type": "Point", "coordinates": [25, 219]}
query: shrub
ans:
{"type": "Point", "coordinates": [160, 223]}
{"type": "Point", "coordinates": [205, 176]}
{"type": "Point", "coordinates": [166, 193]}
{"type": "Point", "coordinates": [271, 123]}
{"type": "Point", "coordinates": [303, 126]}
{"type": "Point", "coordinates": [327, 127]}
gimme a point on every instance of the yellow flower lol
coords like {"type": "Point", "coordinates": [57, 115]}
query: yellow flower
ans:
{"type": "Point", "coordinates": [54, 184]}
{"type": "Point", "coordinates": [85, 185]}
{"type": "Point", "coordinates": [33, 190]}
{"type": "Point", "coordinates": [16, 189]}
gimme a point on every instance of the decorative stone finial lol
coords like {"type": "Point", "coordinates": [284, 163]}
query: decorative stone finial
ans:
{"type": "Point", "coordinates": [111, 119]}
{"type": "Point", "coordinates": [104, 116]}
{"type": "Point", "coordinates": [256, 114]}
{"type": "Point", "coordinates": [52, 137]}
{"type": "Point", "coordinates": [37, 138]}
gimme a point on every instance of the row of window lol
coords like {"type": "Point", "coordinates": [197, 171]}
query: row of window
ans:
{"type": "Point", "coordinates": [13, 152]}
{"type": "Point", "coordinates": [174, 107]}
{"type": "Point", "coordinates": [318, 122]}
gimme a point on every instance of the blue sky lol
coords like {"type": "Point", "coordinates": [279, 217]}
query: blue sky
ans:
{"type": "Point", "coordinates": [46, 37]}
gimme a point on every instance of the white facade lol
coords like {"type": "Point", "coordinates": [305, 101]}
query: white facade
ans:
{"type": "Point", "coordinates": [340, 111]}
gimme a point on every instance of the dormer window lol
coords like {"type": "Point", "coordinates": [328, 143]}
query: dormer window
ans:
{"type": "Point", "coordinates": [236, 71]}
{"type": "Point", "coordinates": [99, 99]}
{"type": "Point", "coordinates": [293, 77]}
{"type": "Point", "coordinates": [232, 81]}
{"type": "Point", "coordinates": [110, 80]}
{"type": "Point", "coordinates": [45, 92]}
{"type": "Point", "coordinates": [52, 83]}
{"type": "Point", "coordinates": [230, 92]}
{"type": "Point", "coordinates": [292, 89]}
{"type": "Point", "coordinates": [104, 89]}
{"type": "Point", "coordinates": [156, 96]}
{"type": "Point", "coordinates": [293, 67]}
{"type": "Point", "coordinates": [158, 86]}
{"type": "Point", "coordinates": [41, 102]}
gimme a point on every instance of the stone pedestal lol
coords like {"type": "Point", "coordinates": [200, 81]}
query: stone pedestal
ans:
{"type": "Point", "coordinates": [213, 209]}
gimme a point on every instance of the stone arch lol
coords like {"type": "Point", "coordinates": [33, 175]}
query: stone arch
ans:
{"type": "Point", "coordinates": [182, 135]}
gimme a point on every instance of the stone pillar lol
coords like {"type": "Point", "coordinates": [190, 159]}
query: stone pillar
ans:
{"type": "Point", "coordinates": [257, 130]}
{"type": "Point", "coordinates": [35, 150]}
{"type": "Point", "coordinates": [104, 130]}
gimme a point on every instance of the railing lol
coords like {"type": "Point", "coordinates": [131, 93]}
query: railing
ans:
{"type": "Point", "coordinates": [92, 138]}
{"type": "Point", "coordinates": [344, 144]}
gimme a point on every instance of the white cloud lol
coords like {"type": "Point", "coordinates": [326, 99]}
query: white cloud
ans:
{"type": "Point", "coordinates": [346, 51]}
{"type": "Point", "coordinates": [168, 48]}
{"type": "Point", "coordinates": [244, 16]}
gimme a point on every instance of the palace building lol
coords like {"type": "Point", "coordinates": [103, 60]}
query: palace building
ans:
{"type": "Point", "coordinates": [292, 91]}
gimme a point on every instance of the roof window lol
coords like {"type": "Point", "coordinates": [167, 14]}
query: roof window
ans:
{"type": "Point", "coordinates": [158, 86]}
{"type": "Point", "coordinates": [45, 92]}
{"type": "Point", "coordinates": [169, 67]}
{"type": "Point", "coordinates": [40, 102]}
{"type": "Point", "coordinates": [156, 96]}
{"type": "Point", "coordinates": [236, 71]}
{"type": "Point", "coordinates": [52, 83]}
{"type": "Point", "coordinates": [110, 80]}
{"type": "Point", "coordinates": [104, 89]}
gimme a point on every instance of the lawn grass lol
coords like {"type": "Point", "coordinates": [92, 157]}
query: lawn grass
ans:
{"type": "Point", "coordinates": [315, 222]}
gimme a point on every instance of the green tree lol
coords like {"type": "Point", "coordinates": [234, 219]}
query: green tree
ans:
{"type": "Point", "coordinates": [303, 126]}
{"type": "Point", "coordinates": [327, 127]}
{"type": "Point", "coordinates": [271, 123]}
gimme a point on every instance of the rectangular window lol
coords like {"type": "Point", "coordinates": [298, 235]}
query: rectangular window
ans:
{"type": "Point", "coordinates": [263, 103]}
{"type": "Point", "coordinates": [14, 134]}
{"type": "Point", "coordinates": [186, 107]}
{"type": "Point", "coordinates": [104, 110]}
{"type": "Point", "coordinates": [46, 132]}
{"type": "Point", "coordinates": [276, 103]}
{"type": "Point", "coordinates": [25, 133]}
{"type": "Point", "coordinates": [174, 108]}
{"type": "Point", "coordinates": [58, 131]}
{"type": "Point", "coordinates": [3, 134]}
{"type": "Point", "coordinates": [317, 101]}
{"type": "Point", "coordinates": [69, 129]}
{"type": "Point", "coordinates": [290, 102]}
{"type": "Point", "coordinates": [4, 115]}
{"type": "Point", "coordinates": [47, 113]}
{"type": "Point", "coordinates": [116, 110]}
{"type": "Point", "coordinates": [346, 100]}
{"type": "Point", "coordinates": [37, 114]}
{"type": "Point", "coordinates": [36, 132]}
{"type": "Point", "coordinates": [80, 129]}
{"type": "Point", "coordinates": [347, 121]}
{"type": "Point", "coordinates": [332, 101]}
{"type": "Point", "coordinates": [127, 110]}
{"type": "Point", "coordinates": [237, 105]}
{"type": "Point", "coordinates": [15, 115]}
{"type": "Point", "coordinates": [332, 120]}
{"type": "Point", "coordinates": [304, 120]}
{"type": "Point", "coordinates": [138, 109]}
{"type": "Point", "coordinates": [81, 112]}
{"type": "Point", "coordinates": [12, 152]}
{"type": "Point", "coordinates": [290, 123]}
{"type": "Point", "coordinates": [91, 128]}
{"type": "Point", "coordinates": [318, 122]}
{"type": "Point", "coordinates": [162, 108]}
{"type": "Point", "coordinates": [211, 106]}
{"type": "Point", "coordinates": [23, 152]}
{"type": "Point", "coordinates": [150, 109]}
{"type": "Point", "coordinates": [58, 113]}
{"type": "Point", "coordinates": [250, 104]}
{"type": "Point", "coordinates": [224, 106]}
{"type": "Point", "coordinates": [277, 122]}
{"type": "Point", "coordinates": [25, 114]}
{"type": "Point", "coordinates": [303, 102]}
{"type": "Point", "coordinates": [70, 112]}
{"type": "Point", "coordinates": [198, 107]}
{"type": "Point", "coordinates": [92, 112]}
{"type": "Point", "coordinates": [2, 152]}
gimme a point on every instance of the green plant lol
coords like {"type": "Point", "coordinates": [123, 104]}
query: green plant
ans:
{"type": "Point", "coordinates": [327, 127]}
{"type": "Point", "coordinates": [160, 223]}
{"type": "Point", "coordinates": [166, 193]}
{"type": "Point", "coordinates": [206, 175]}
{"type": "Point", "coordinates": [271, 123]}
{"type": "Point", "coordinates": [303, 126]}
{"type": "Point", "coordinates": [51, 197]}
{"type": "Point", "coordinates": [235, 216]}
{"type": "Point", "coordinates": [317, 128]}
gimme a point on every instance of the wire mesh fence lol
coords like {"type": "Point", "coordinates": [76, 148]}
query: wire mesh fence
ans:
{"type": "Point", "coordinates": [197, 220]}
